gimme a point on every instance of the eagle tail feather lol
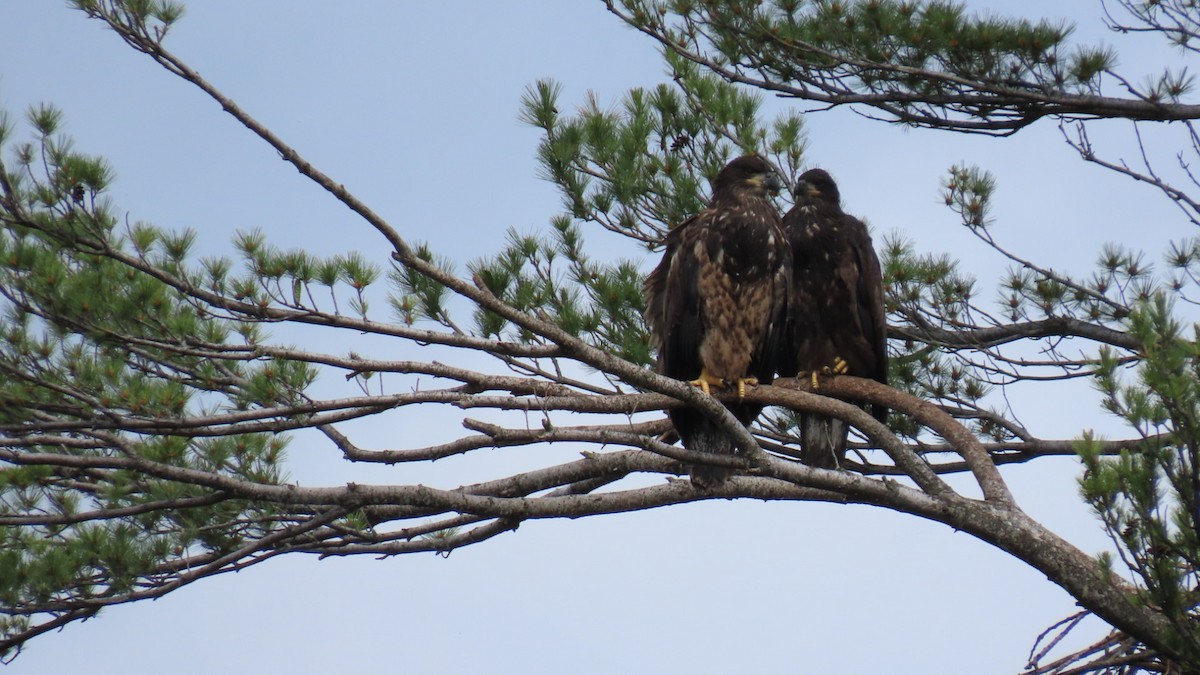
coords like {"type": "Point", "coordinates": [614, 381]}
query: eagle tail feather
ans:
{"type": "Point", "coordinates": [823, 441]}
{"type": "Point", "coordinates": [704, 435]}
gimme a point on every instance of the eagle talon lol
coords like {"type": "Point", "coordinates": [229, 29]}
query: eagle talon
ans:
{"type": "Point", "coordinates": [706, 382]}
{"type": "Point", "coordinates": [839, 367]}
{"type": "Point", "coordinates": [741, 385]}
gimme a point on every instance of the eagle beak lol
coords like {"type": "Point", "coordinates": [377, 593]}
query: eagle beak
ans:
{"type": "Point", "coordinates": [774, 183]}
{"type": "Point", "coordinates": [767, 181]}
{"type": "Point", "coordinates": [805, 190]}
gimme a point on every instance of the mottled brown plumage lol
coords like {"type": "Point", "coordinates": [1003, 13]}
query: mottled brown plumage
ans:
{"type": "Point", "coordinates": [717, 301]}
{"type": "Point", "coordinates": [836, 320]}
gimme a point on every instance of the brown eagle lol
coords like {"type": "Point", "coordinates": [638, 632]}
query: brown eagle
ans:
{"type": "Point", "coordinates": [717, 302]}
{"type": "Point", "coordinates": [836, 322]}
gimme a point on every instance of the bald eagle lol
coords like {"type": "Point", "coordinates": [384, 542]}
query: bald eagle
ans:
{"type": "Point", "coordinates": [717, 301]}
{"type": "Point", "coordinates": [836, 321]}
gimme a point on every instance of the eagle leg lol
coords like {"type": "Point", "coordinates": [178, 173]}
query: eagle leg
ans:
{"type": "Point", "coordinates": [741, 385]}
{"type": "Point", "coordinates": [706, 381]}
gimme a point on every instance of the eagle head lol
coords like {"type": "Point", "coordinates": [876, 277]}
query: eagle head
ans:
{"type": "Point", "coordinates": [748, 171]}
{"type": "Point", "coordinates": [816, 185]}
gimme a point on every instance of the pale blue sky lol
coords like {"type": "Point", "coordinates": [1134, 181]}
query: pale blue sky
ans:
{"type": "Point", "coordinates": [413, 106]}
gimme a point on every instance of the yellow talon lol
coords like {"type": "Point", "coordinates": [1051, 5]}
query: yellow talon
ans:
{"type": "Point", "coordinates": [706, 381]}
{"type": "Point", "coordinates": [839, 367]}
{"type": "Point", "coordinates": [741, 385]}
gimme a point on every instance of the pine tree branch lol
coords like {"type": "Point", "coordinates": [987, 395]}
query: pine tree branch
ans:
{"type": "Point", "coordinates": [796, 68]}
{"type": "Point", "coordinates": [985, 337]}
{"type": "Point", "coordinates": [249, 311]}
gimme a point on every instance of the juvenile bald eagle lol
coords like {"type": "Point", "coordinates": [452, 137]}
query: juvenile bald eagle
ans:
{"type": "Point", "coordinates": [836, 321]}
{"type": "Point", "coordinates": [717, 301]}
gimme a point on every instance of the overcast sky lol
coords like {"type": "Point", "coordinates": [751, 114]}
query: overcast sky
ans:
{"type": "Point", "coordinates": [413, 106]}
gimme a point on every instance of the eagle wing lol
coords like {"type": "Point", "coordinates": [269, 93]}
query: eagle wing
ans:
{"type": "Point", "coordinates": [766, 360]}
{"type": "Point", "coordinates": [872, 316]}
{"type": "Point", "coordinates": [673, 304]}
{"type": "Point", "coordinates": [873, 312]}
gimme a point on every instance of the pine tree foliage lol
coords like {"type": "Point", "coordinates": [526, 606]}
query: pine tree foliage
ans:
{"type": "Point", "coordinates": [932, 64]}
{"type": "Point", "coordinates": [99, 350]}
{"type": "Point", "coordinates": [146, 400]}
